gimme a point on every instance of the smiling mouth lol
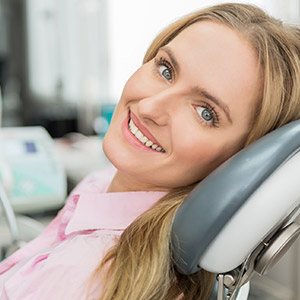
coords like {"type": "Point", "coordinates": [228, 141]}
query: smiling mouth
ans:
{"type": "Point", "coordinates": [143, 139]}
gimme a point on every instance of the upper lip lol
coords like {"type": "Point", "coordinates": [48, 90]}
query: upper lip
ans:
{"type": "Point", "coordinates": [142, 128]}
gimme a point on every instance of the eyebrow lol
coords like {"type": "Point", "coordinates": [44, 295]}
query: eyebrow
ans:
{"type": "Point", "coordinates": [172, 57]}
{"type": "Point", "coordinates": [197, 90]}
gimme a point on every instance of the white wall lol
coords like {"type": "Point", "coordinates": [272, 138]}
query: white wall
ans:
{"type": "Point", "coordinates": [67, 49]}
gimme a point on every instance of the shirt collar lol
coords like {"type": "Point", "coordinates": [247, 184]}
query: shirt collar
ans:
{"type": "Point", "coordinates": [113, 211]}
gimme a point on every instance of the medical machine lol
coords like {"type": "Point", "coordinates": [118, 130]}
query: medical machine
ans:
{"type": "Point", "coordinates": [239, 220]}
{"type": "Point", "coordinates": [31, 172]}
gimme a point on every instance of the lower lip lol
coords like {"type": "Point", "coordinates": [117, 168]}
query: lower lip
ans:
{"type": "Point", "coordinates": [132, 139]}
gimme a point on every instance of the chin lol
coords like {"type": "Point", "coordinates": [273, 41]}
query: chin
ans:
{"type": "Point", "coordinates": [118, 158]}
{"type": "Point", "coordinates": [109, 149]}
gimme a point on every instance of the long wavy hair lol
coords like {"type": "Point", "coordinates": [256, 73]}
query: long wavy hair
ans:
{"type": "Point", "coordinates": [139, 266]}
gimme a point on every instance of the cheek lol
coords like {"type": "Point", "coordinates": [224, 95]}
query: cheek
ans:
{"type": "Point", "coordinates": [132, 90]}
{"type": "Point", "coordinates": [197, 153]}
{"type": "Point", "coordinates": [133, 86]}
{"type": "Point", "coordinates": [202, 153]}
{"type": "Point", "coordinates": [140, 85]}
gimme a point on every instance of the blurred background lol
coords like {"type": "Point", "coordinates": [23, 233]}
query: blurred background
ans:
{"type": "Point", "coordinates": [63, 64]}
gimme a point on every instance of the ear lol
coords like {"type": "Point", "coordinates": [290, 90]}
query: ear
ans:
{"type": "Point", "coordinates": [239, 206]}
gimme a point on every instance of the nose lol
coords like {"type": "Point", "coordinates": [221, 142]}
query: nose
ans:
{"type": "Point", "coordinates": [157, 108]}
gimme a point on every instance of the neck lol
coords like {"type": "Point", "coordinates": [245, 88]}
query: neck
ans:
{"type": "Point", "coordinates": [124, 183]}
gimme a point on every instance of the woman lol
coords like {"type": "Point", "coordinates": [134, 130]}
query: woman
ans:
{"type": "Point", "coordinates": [211, 83]}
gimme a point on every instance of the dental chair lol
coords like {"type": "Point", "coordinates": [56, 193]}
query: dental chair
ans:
{"type": "Point", "coordinates": [239, 220]}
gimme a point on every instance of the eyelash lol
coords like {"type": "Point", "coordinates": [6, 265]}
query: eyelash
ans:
{"type": "Point", "coordinates": [215, 120]}
{"type": "Point", "coordinates": [164, 62]}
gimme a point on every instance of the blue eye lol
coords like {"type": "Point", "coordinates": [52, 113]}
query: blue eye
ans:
{"type": "Point", "coordinates": [164, 68]}
{"type": "Point", "coordinates": [165, 72]}
{"type": "Point", "coordinates": [206, 114]}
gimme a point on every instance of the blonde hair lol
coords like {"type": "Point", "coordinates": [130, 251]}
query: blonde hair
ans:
{"type": "Point", "coordinates": [140, 265]}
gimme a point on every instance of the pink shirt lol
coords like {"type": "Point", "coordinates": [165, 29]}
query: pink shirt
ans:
{"type": "Point", "coordinates": [59, 262]}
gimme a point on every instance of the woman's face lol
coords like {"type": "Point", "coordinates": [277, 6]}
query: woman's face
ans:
{"type": "Point", "coordinates": [195, 100]}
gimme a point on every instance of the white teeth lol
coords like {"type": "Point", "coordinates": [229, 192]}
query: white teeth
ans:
{"type": "Point", "coordinates": [139, 135]}
{"type": "Point", "coordinates": [149, 143]}
{"type": "Point", "coordinates": [142, 138]}
{"type": "Point", "coordinates": [132, 127]}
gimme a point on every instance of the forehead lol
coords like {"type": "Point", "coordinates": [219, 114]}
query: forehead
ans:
{"type": "Point", "coordinates": [219, 59]}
